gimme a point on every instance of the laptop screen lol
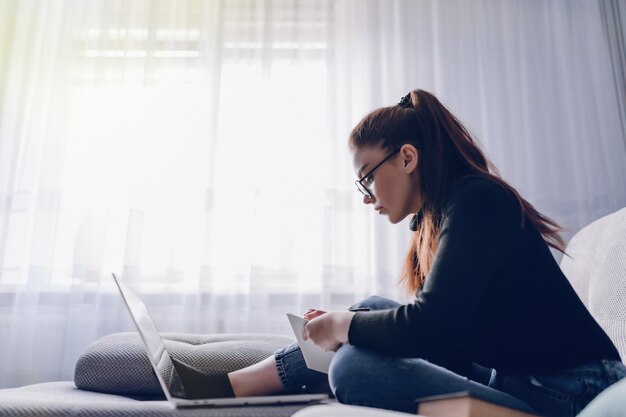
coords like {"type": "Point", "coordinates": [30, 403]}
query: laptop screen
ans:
{"type": "Point", "coordinates": [157, 353]}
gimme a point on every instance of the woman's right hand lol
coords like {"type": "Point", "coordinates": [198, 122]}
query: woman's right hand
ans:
{"type": "Point", "coordinates": [312, 313]}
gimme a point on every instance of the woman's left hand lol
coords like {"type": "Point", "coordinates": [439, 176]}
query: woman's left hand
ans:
{"type": "Point", "coordinates": [329, 331]}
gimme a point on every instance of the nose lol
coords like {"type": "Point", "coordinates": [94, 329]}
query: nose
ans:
{"type": "Point", "coordinates": [368, 200]}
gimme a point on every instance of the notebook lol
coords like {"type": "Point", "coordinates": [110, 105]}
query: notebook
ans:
{"type": "Point", "coordinates": [314, 357]}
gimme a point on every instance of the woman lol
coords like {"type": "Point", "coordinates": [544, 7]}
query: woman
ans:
{"type": "Point", "coordinates": [493, 312]}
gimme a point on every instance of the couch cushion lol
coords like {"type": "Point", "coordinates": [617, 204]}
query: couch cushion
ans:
{"type": "Point", "coordinates": [118, 363]}
{"type": "Point", "coordinates": [597, 271]}
{"type": "Point", "coordinates": [343, 410]}
{"type": "Point", "coordinates": [609, 403]}
{"type": "Point", "coordinates": [62, 399]}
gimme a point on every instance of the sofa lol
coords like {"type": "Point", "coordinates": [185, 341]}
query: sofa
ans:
{"type": "Point", "coordinates": [113, 376]}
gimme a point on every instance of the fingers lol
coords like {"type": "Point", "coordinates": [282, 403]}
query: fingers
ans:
{"type": "Point", "coordinates": [312, 313]}
{"type": "Point", "coordinates": [311, 331]}
{"type": "Point", "coordinates": [333, 348]}
{"type": "Point", "coordinates": [318, 313]}
{"type": "Point", "coordinates": [320, 331]}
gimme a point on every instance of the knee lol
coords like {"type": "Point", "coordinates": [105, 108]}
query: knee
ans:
{"type": "Point", "coordinates": [375, 302]}
{"type": "Point", "coordinates": [347, 373]}
{"type": "Point", "coordinates": [359, 376]}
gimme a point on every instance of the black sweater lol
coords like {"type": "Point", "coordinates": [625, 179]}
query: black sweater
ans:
{"type": "Point", "coordinates": [494, 295]}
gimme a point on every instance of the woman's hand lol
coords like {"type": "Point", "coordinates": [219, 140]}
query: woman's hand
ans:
{"type": "Point", "coordinates": [329, 330]}
{"type": "Point", "coordinates": [311, 313]}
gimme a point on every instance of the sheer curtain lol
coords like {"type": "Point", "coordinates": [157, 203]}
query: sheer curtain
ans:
{"type": "Point", "coordinates": [198, 148]}
{"type": "Point", "coordinates": [614, 21]}
{"type": "Point", "coordinates": [532, 80]}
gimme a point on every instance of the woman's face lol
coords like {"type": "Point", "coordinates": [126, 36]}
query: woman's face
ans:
{"type": "Point", "coordinates": [394, 185]}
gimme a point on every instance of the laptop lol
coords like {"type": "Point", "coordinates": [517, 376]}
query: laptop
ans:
{"type": "Point", "coordinates": [178, 379]}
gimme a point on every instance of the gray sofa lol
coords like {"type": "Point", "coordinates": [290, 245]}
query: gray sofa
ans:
{"type": "Point", "coordinates": [597, 271]}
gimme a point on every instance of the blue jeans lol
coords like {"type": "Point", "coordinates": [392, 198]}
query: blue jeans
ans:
{"type": "Point", "coordinates": [362, 377]}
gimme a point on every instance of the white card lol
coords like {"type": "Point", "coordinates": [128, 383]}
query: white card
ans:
{"type": "Point", "coordinates": [315, 357]}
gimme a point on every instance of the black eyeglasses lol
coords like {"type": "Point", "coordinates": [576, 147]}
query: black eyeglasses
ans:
{"type": "Point", "coordinates": [367, 178]}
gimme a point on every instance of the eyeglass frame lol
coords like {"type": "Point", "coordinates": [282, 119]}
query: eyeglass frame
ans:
{"type": "Point", "coordinates": [359, 183]}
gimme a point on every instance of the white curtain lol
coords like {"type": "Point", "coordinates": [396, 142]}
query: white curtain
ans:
{"type": "Point", "coordinates": [198, 149]}
{"type": "Point", "coordinates": [613, 13]}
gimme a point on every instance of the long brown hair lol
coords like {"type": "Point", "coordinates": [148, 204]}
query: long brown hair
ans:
{"type": "Point", "coordinates": [448, 153]}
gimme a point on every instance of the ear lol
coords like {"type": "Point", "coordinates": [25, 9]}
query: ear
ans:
{"type": "Point", "coordinates": [409, 156]}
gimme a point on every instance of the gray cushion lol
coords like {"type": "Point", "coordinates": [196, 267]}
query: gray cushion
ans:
{"type": "Point", "coordinates": [118, 363]}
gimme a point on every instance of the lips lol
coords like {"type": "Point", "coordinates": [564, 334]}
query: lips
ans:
{"type": "Point", "coordinates": [378, 209]}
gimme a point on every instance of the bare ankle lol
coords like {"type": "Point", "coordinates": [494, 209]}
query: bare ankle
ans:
{"type": "Point", "coordinates": [259, 379]}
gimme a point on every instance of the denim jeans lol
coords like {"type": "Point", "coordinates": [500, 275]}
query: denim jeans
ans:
{"type": "Point", "coordinates": [362, 377]}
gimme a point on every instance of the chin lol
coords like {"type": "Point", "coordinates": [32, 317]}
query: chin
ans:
{"type": "Point", "coordinates": [394, 220]}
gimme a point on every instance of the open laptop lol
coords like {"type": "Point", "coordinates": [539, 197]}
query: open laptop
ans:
{"type": "Point", "coordinates": [178, 379]}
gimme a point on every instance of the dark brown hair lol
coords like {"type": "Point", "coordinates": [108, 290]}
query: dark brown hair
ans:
{"type": "Point", "coordinates": [448, 153]}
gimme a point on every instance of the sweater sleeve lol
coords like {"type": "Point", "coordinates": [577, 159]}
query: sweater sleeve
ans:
{"type": "Point", "coordinates": [479, 224]}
